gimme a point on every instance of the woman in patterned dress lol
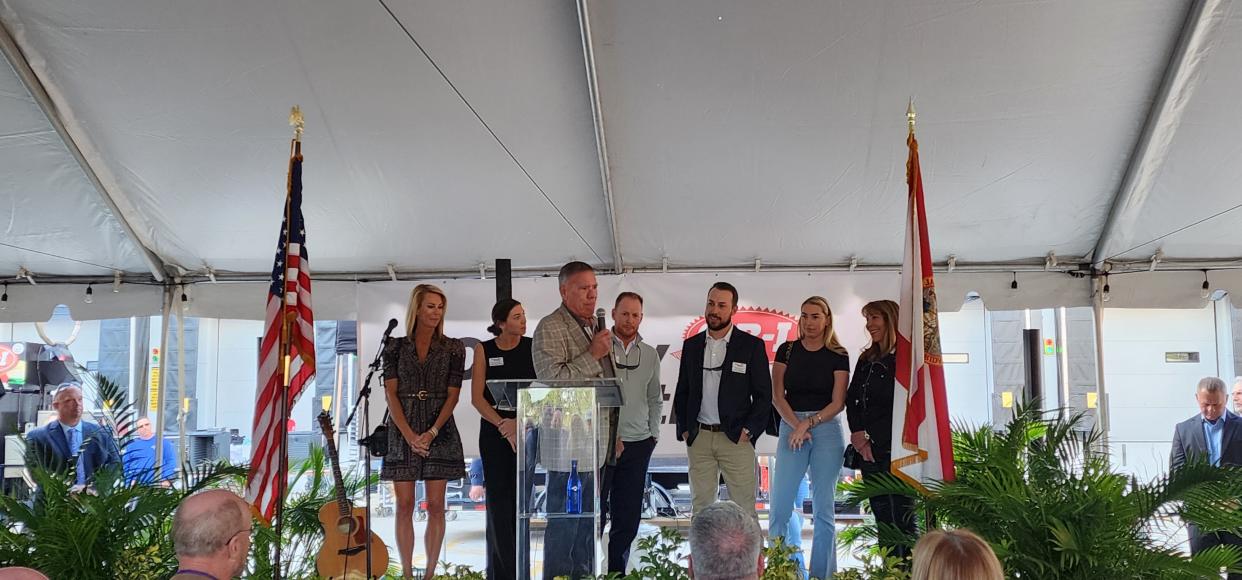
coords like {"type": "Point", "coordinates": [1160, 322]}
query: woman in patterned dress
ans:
{"type": "Point", "coordinates": [422, 381]}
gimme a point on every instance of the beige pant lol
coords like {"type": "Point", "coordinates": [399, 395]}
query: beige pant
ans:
{"type": "Point", "coordinates": [713, 454]}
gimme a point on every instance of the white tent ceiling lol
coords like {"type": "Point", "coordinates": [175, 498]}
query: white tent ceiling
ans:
{"type": "Point", "coordinates": [735, 131]}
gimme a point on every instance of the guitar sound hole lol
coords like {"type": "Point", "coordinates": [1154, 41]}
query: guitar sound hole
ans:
{"type": "Point", "coordinates": [345, 525]}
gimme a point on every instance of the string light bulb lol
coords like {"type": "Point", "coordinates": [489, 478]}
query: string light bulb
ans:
{"type": "Point", "coordinates": [1013, 286]}
{"type": "Point", "coordinates": [90, 295]}
{"type": "Point", "coordinates": [4, 298]}
{"type": "Point", "coordinates": [1207, 288]}
{"type": "Point", "coordinates": [1106, 295]}
{"type": "Point", "coordinates": [185, 300]}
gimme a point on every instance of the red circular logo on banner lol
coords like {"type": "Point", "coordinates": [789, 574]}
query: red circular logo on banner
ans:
{"type": "Point", "coordinates": [8, 359]}
{"type": "Point", "coordinates": [775, 327]}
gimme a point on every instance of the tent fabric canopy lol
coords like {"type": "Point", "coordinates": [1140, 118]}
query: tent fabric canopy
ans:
{"type": "Point", "coordinates": [737, 134]}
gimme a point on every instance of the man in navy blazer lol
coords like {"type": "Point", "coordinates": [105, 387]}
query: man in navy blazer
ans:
{"type": "Point", "coordinates": [723, 403]}
{"type": "Point", "coordinates": [70, 441]}
{"type": "Point", "coordinates": [1215, 436]}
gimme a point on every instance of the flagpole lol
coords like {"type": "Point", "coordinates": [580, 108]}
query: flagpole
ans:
{"type": "Point", "coordinates": [286, 347]}
{"type": "Point", "coordinates": [929, 515]}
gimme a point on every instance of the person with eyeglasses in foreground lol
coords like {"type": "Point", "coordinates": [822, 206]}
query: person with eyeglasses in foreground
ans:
{"type": "Point", "coordinates": [955, 555]}
{"type": "Point", "coordinates": [211, 536]}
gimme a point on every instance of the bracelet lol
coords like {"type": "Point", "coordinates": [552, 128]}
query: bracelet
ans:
{"type": "Point", "coordinates": [434, 432]}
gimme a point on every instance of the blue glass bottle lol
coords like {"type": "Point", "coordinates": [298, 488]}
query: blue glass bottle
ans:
{"type": "Point", "coordinates": [573, 491]}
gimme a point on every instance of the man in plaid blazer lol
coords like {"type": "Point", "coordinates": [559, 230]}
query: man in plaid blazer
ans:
{"type": "Point", "coordinates": [567, 345]}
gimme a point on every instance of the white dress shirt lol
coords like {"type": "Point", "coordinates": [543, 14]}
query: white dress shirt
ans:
{"type": "Point", "coordinates": [713, 358]}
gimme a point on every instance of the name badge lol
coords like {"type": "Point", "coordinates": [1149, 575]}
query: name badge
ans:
{"type": "Point", "coordinates": [496, 361]}
{"type": "Point", "coordinates": [739, 368]}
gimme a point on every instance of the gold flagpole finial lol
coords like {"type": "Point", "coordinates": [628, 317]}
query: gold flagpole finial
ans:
{"type": "Point", "coordinates": [910, 115]}
{"type": "Point", "coordinates": [297, 122]}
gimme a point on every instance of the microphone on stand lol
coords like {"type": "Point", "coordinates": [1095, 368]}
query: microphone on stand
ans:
{"type": "Point", "coordinates": [392, 323]}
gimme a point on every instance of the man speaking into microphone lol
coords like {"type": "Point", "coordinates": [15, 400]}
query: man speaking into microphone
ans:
{"type": "Point", "coordinates": [571, 343]}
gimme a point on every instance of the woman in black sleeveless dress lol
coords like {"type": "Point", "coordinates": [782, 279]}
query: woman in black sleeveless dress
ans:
{"type": "Point", "coordinates": [506, 357]}
{"type": "Point", "coordinates": [422, 382]}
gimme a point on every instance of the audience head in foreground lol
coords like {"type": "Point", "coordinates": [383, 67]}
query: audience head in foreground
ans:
{"type": "Point", "coordinates": [725, 544]}
{"type": "Point", "coordinates": [211, 535]}
{"type": "Point", "coordinates": [955, 555]}
{"type": "Point", "coordinates": [19, 573]}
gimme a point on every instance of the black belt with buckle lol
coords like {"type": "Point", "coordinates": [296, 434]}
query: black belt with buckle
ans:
{"type": "Point", "coordinates": [426, 395]}
{"type": "Point", "coordinates": [712, 428]}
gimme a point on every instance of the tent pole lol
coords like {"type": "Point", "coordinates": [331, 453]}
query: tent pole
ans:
{"type": "Point", "coordinates": [183, 407]}
{"type": "Point", "coordinates": [601, 143]}
{"type": "Point", "coordinates": [1101, 410]}
{"type": "Point", "coordinates": [15, 56]}
{"type": "Point", "coordinates": [1199, 34]}
{"type": "Point", "coordinates": [160, 395]}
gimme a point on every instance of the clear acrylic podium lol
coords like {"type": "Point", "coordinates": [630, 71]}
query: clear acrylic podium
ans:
{"type": "Point", "coordinates": [560, 424]}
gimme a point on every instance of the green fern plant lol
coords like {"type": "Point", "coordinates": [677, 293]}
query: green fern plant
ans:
{"type": "Point", "coordinates": [1042, 492]}
{"type": "Point", "coordinates": [116, 531]}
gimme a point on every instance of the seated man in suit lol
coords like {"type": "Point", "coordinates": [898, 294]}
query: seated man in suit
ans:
{"type": "Point", "coordinates": [69, 441]}
{"type": "Point", "coordinates": [1215, 436]}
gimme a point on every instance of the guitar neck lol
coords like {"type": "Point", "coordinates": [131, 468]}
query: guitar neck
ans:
{"type": "Point", "coordinates": [325, 424]}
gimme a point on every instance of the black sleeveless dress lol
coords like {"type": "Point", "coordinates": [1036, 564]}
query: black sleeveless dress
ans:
{"type": "Point", "coordinates": [500, 462]}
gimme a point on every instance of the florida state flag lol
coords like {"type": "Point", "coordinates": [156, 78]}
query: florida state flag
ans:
{"type": "Point", "coordinates": [922, 443]}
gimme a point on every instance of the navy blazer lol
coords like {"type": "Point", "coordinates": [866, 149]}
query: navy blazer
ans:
{"type": "Point", "coordinates": [49, 446]}
{"type": "Point", "coordinates": [745, 397]}
{"type": "Point", "coordinates": [1189, 442]}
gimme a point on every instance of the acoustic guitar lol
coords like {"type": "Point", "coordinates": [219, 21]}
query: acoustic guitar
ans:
{"type": "Point", "coordinates": [344, 552]}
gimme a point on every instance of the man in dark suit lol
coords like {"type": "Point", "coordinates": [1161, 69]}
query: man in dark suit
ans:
{"type": "Point", "coordinates": [723, 403]}
{"type": "Point", "coordinates": [1215, 436]}
{"type": "Point", "coordinates": [70, 442]}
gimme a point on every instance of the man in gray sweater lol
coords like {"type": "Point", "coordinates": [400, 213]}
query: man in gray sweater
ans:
{"type": "Point", "coordinates": [638, 367]}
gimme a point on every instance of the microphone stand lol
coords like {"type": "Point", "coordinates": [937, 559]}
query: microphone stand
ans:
{"type": "Point", "coordinates": [364, 399]}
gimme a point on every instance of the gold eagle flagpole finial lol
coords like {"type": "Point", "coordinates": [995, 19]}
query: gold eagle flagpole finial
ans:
{"type": "Point", "coordinates": [297, 122]}
{"type": "Point", "coordinates": [910, 115]}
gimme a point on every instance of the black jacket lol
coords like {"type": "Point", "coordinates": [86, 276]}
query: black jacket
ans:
{"type": "Point", "coordinates": [869, 402]}
{"type": "Point", "coordinates": [745, 397]}
{"type": "Point", "coordinates": [1189, 442]}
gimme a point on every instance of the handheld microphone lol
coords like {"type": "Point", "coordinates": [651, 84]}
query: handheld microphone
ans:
{"type": "Point", "coordinates": [599, 319]}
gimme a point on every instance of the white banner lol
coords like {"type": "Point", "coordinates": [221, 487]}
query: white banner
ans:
{"type": "Point", "coordinates": [673, 309]}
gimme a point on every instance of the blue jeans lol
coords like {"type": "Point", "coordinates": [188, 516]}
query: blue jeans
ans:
{"type": "Point", "coordinates": [793, 535]}
{"type": "Point", "coordinates": [822, 456]}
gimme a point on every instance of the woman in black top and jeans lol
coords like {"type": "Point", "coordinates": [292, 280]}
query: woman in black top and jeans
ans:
{"type": "Point", "coordinates": [506, 357]}
{"type": "Point", "coordinates": [869, 410]}
{"type": "Point", "coordinates": [808, 391]}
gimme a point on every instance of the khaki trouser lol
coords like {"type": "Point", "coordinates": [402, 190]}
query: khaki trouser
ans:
{"type": "Point", "coordinates": [713, 454]}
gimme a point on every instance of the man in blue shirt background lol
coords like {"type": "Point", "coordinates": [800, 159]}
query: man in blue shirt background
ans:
{"type": "Point", "coordinates": [140, 457]}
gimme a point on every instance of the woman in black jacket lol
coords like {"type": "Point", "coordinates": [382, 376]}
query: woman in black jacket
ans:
{"type": "Point", "coordinates": [869, 410]}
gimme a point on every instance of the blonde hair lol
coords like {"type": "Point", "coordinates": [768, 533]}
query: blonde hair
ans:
{"type": "Point", "coordinates": [830, 335]}
{"type": "Point", "coordinates": [886, 309]}
{"type": "Point", "coordinates": [955, 555]}
{"type": "Point", "coordinates": [417, 296]}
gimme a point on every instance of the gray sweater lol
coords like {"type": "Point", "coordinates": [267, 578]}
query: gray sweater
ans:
{"type": "Point", "coordinates": [640, 387]}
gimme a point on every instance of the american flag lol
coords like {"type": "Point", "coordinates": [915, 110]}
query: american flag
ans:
{"type": "Point", "coordinates": [922, 444]}
{"type": "Point", "coordinates": [288, 300]}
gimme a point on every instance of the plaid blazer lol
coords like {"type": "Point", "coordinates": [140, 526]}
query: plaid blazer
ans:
{"type": "Point", "coordinates": [561, 349]}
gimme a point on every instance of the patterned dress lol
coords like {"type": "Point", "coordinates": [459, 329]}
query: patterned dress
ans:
{"type": "Point", "coordinates": [422, 387]}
